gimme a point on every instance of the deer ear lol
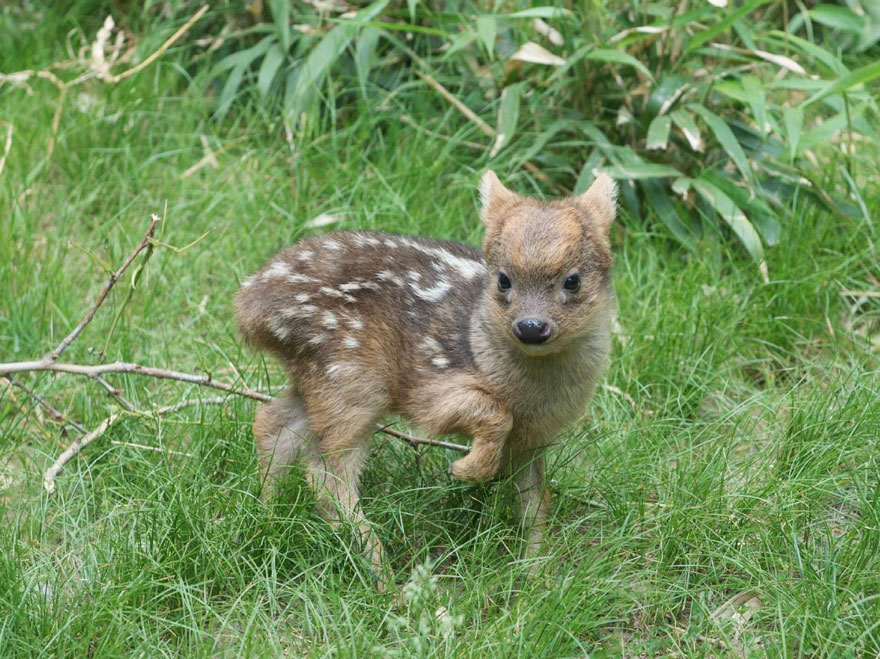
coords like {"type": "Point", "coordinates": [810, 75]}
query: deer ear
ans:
{"type": "Point", "coordinates": [600, 202]}
{"type": "Point", "coordinates": [493, 195]}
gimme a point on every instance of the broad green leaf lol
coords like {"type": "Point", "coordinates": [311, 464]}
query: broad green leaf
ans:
{"type": "Point", "coordinates": [586, 177]}
{"type": "Point", "coordinates": [233, 82]}
{"type": "Point", "coordinates": [658, 132]}
{"type": "Point", "coordinates": [667, 90]}
{"type": "Point", "coordinates": [826, 57]}
{"type": "Point", "coordinates": [858, 77]}
{"type": "Point", "coordinates": [636, 172]}
{"type": "Point", "coordinates": [325, 54]}
{"type": "Point", "coordinates": [688, 127]}
{"type": "Point", "coordinates": [838, 18]}
{"type": "Point", "coordinates": [487, 28]}
{"type": "Point", "coordinates": [759, 213]}
{"type": "Point", "coordinates": [281, 19]}
{"type": "Point", "coordinates": [668, 212]}
{"type": "Point", "coordinates": [365, 53]}
{"type": "Point", "coordinates": [244, 57]}
{"type": "Point", "coordinates": [508, 115]}
{"type": "Point", "coordinates": [753, 89]}
{"type": "Point", "coordinates": [411, 5]}
{"type": "Point", "coordinates": [269, 68]}
{"type": "Point", "coordinates": [732, 214]}
{"type": "Point", "coordinates": [725, 138]}
{"type": "Point", "coordinates": [793, 120]}
{"type": "Point", "coordinates": [540, 12]}
{"type": "Point", "coordinates": [617, 57]}
{"type": "Point", "coordinates": [711, 32]}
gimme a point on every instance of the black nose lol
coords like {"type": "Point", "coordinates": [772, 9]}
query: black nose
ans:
{"type": "Point", "coordinates": [531, 330]}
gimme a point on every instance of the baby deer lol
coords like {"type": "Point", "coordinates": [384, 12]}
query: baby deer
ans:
{"type": "Point", "coordinates": [504, 346]}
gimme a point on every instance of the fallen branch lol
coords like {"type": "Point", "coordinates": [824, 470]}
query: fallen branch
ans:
{"type": "Point", "coordinates": [80, 443]}
{"type": "Point", "coordinates": [97, 371]}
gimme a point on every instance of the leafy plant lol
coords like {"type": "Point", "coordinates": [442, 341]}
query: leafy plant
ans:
{"type": "Point", "coordinates": [711, 115]}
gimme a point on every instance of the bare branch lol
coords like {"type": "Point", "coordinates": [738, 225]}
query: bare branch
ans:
{"type": "Point", "coordinates": [145, 242]}
{"type": "Point", "coordinates": [54, 412]}
{"type": "Point", "coordinates": [81, 442]}
{"type": "Point", "coordinates": [414, 441]}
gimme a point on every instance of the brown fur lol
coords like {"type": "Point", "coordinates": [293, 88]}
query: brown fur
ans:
{"type": "Point", "coordinates": [368, 324]}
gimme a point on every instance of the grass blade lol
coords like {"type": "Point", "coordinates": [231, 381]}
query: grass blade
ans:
{"type": "Point", "coordinates": [725, 138]}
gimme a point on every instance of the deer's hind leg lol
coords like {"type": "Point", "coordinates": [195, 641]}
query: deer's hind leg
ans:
{"type": "Point", "coordinates": [282, 434]}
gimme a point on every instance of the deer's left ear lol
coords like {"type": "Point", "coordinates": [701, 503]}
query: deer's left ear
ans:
{"type": "Point", "coordinates": [600, 202]}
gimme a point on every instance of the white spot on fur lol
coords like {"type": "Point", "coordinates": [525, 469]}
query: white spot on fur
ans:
{"type": "Point", "coordinates": [355, 324]}
{"type": "Point", "coordinates": [351, 286]}
{"type": "Point", "coordinates": [318, 339]}
{"type": "Point", "coordinates": [331, 244]}
{"type": "Point", "coordinates": [277, 269]}
{"type": "Point", "coordinates": [415, 276]}
{"type": "Point", "coordinates": [329, 320]}
{"type": "Point", "coordinates": [297, 278]}
{"type": "Point", "coordinates": [337, 369]}
{"type": "Point", "coordinates": [363, 239]}
{"type": "Point", "coordinates": [351, 342]}
{"type": "Point", "coordinates": [302, 298]}
{"type": "Point", "coordinates": [308, 308]}
{"type": "Point", "coordinates": [279, 328]}
{"type": "Point", "coordinates": [305, 255]}
{"type": "Point", "coordinates": [390, 243]}
{"type": "Point", "coordinates": [430, 344]}
{"type": "Point", "coordinates": [435, 293]}
{"type": "Point", "coordinates": [333, 370]}
{"type": "Point", "coordinates": [467, 268]}
{"type": "Point", "coordinates": [387, 275]}
{"type": "Point", "coordinates": [247, 283]}
{"type": "Point", "coordinates": [440, 362]}
{"type": "Point", "coordinates": [326, 290]}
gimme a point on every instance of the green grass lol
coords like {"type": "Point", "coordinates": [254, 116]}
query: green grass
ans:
{"type": "Point", "coordinates": [742, 457]}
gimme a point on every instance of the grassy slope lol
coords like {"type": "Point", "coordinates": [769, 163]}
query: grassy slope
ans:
{"type": "Point", "coordinates": [747, 459]}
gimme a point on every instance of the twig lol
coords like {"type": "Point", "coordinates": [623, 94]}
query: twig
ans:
{"type": "Point", "coordinates": [145, 242]}
{"type": "Point", "coordinates": [414, 441]}
{"type": "Point", "coordinates": [80, 443]}
{"type": "Point", "coordinates": [461, 107]}
{"type": "Point", "coordinates": [97, 371]}
{"type": "Point", "coordinates": [54, 412]}
{"type": "Point", "coordinates": [874, 294]}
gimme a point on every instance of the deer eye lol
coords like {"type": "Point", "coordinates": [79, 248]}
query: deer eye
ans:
{"type": "Point", "coordinates": [504, 282]}
{"type": "Point", "coordinates": [573, 283]}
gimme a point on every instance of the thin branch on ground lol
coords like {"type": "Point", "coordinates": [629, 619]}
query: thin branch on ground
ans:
{"type": "Point", "coordinates": [81, 442]}
{"type": "Point", "coordinates": [97, 371]}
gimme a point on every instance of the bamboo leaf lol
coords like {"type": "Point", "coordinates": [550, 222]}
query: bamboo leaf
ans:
{"type": "Point", "coordinates": [711, 32]}
{"type": "Point", "coordinates": [688, 127]}
{"type": "Point", "coordinates": [658, 132]}
{"type": "Point", "coordinates": [269, 68]}
{"type": "Point", "coordinates": [618, 57]}
{"type": "Point", "coordinates": [281, 18]}
{"type": "Point", "coordinates": [858, 77]}
{"type": "Point", "coordinates": [487, 28]}
{"type": "Point", "coordinates": [838, 18]}
{"type": "Point", "coordinates": [540, 12]}
{"type": "Point", "coordinates": [732, 214]}
{"type": "Point", "coordinates": [508, 115]}
{"type": "Point", "coordinates": [637, 171]}
{"type": "Point", "coordinates": [725, 138]}
{"type": "Point", "coordinates": [793, 120]}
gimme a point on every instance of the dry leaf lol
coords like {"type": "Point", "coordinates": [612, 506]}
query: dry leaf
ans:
{"type": "Point", "coordinates": [550, 32]}
{"type": "Point", "coordinates": [532, 52]}
{"type": "Point", "coordinates": [322, 220]}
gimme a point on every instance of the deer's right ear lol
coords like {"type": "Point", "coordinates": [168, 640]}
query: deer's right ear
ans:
{"type": "Point", "coordinates": [494, 196]}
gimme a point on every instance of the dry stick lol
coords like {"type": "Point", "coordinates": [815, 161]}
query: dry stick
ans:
{"type": "Point", "coordinates": [96, 371]}
{"type": "Point", "coordinates": [80, 443]}
{"type": "Point", "coordinates": [53, 411]}
{"type": "Point", "coordinates": [145, 242]}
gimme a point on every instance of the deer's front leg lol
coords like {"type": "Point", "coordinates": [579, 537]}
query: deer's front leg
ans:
{"type": "Point", "coordinates": [534, 499]}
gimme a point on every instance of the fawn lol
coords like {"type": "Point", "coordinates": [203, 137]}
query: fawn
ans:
{"type": "Point", "coordinates": [504, 346]}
